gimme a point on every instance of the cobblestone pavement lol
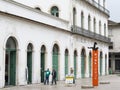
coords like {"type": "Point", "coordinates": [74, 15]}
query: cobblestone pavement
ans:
{"type": "Point", "coordinates": [110, 82]}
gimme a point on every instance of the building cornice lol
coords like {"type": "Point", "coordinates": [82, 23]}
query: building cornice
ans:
{"type": "Point", "coordinates": [98, 6]}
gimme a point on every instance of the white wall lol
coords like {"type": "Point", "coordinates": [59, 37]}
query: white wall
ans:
{"type": "Point", "coordinates": [45, 6]}
{"type": "Point", "coordinates": [66, 11]}
{"type": "Point", "coordinates": [38, 34]}
{"type": "Point", "coordinates": [48, 32]}
{"type": "Point", "coordinates": [115, 38]}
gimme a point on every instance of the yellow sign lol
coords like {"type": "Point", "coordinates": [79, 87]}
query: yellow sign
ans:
{"type": "Point", "coordinates": [69, 79]}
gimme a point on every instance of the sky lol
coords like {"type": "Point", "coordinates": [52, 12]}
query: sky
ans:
{"type": "Point", "coordinates": [114, 7]}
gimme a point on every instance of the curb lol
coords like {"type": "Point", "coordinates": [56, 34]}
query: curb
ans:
{"type": "Point", "coordinates": [104, 82]}
{"type": "Point", "coordinates": [87, 87]}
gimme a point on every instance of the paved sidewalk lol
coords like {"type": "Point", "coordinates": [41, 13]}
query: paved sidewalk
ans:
{"type": "Point", "coordinates": [109, 82]}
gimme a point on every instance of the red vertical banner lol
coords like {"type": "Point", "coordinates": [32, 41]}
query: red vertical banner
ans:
{"type": "Point", "coordinates": [95, 67]}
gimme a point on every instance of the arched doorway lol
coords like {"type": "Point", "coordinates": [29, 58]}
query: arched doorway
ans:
{"type": "Point", "coordinates": [43, 50]}
{"type": "Point", "coordinates": [55, 53]}
{"type": "Point", "coordinates": [66, 61]}
{"type": "Point", "coordinates": [75, 63]}
{"type": "Point", "coordinates": [10, 62]}
{"type": "Point", "coordinates": [100, 65]}
{"type": "Point", "coordinates": [90, 64]}
{"type": "Point", "coordinates": [105, 64]}
{"type": "Point", "coordinates": [29, 62]}
{"type": "Point", "coordinates": [83, 63]}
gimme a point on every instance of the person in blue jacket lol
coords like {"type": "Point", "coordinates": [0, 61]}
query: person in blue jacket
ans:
{"type": "Point", "coordinates": [47, 74]}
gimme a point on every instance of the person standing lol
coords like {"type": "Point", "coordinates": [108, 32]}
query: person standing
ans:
{"type": "Point", "coordinates": [72, 74]}
{"type": "Point", "coordinates": [47, 74]}
{"type": "Point", "coordinates": [71, 71]}
{"type": "Point", "coordinates": [54, 74]}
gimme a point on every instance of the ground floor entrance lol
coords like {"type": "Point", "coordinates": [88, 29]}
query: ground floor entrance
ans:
{"type": "Point", "coordinates": [10, 62]}
{"type": "Point", "coordinates": [42, 66]}
{"type": "Point", "coordinates": [42, 63]}
{"type": "Point", "coordinates": [29, 63]}
{"type": "Point", "coordinates": [114, 63]}
{"type": "Point", "coordinates": [10, 68]}
{"type": "Point", "coordinates": [117, 65]}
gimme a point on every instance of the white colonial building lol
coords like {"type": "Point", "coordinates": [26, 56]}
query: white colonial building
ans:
{"type": "Point", "coordinates": [40, 34]}
{"type": "Point", "coordinates": [114, 48]}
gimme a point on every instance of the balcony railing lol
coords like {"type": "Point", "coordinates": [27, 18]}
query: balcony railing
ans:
{"type": "Point", "coordinates": [89, 34]}
{"type": "Point", "coordinates": [98, 6]}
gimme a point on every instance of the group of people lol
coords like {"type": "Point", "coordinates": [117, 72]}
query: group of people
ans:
{"type": "Point", "coordinates": [47, 74]}
{"type": "Point", "coordinates": [54, 75]}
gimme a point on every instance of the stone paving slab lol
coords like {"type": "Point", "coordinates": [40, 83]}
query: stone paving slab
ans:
{"type": "Point", "coordinates": [110, 82]}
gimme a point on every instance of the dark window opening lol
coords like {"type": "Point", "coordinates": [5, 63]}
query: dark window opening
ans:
{"type": "Point", "coordinates": [55, 11]}
{"type": "Point", "coordinates": [111, 45]}
{"type": "Point", "coordinates": [38, 8]}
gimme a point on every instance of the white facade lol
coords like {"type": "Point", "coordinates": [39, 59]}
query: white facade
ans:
{"type": "Point", "coordinates": [25, 25]}
{"type": "Point", "coordinates": [114, 52]}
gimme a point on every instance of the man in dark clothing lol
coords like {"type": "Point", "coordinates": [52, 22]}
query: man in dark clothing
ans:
{"type": "Point", "coordinates": [54, 74]}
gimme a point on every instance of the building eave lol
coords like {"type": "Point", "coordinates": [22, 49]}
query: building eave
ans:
{"type": "Point", "coordinates": [98, 7]}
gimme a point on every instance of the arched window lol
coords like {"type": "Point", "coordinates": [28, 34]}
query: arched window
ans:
{"type": "Point", "coordinates": [99, 27]}
{"type": "Point", "coordinates": [74, 16]}
{"type": "Point", "coordinates": [30, 47]}
{"type": "Point", "coordinates": [94, 25]}
{"type": "Point", "coordinates": [37, 8]}
{"type": "Point", "coordinates": [104, 29]}
{"type": "Point", "coordinates": [11, 44]}
{"type": "Point", "coordinates": [89, 23]}
{"type": "Point", "coordinates": [43, 49]}
{"type": "Point", "coordinates": [104, 3]}
{"type": "Point", "coordinates": [82, 20]}
{"type": "Point", "coordinates": [56, 49]}
{"type": "Point", "coordinates": [55, 11]}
